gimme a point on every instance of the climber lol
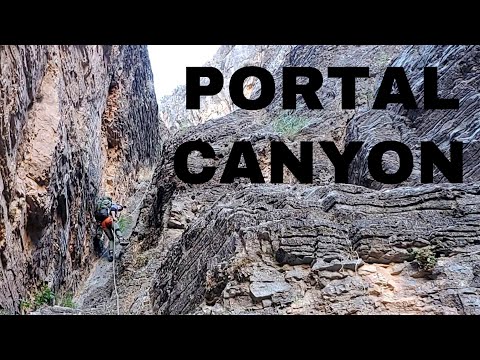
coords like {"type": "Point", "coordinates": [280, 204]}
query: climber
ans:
{"type": "Point", "coordinates": [106, 214]}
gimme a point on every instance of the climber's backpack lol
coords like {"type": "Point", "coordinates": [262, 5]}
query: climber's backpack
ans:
{"type": "Point", "coordinates": [102, 210]}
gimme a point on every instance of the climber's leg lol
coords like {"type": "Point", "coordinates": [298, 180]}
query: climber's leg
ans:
{"type": "Point", "coordinates": [98, 240]}
{"type": "Point", "coordinates": [109, 233]}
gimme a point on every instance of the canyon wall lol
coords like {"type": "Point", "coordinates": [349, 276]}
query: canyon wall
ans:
{"type": "Point", "coordinates": [76, 121]}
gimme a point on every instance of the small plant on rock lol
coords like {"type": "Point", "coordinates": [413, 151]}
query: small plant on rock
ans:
{"type": "Point", "coordinates": [44, 297]}
{"type": "Point", "coordinates": [67, 301]}
{"type": "Point", "coordinates": [215, 282]}
{"type": "Point", "coordinates": [239, 269]}
{"type": "Point", "coordinates": [123, 223]}
{"type": "Point", "coordinates": [26, 306]}
{"type": "Point", "coordinates": [425, 258]}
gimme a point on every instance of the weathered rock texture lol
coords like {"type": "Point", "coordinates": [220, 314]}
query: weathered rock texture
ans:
{"type": "Point", "coordinates": [458, 72]}
{"type": "Point", "coordinates": [75, 121]}
{"type": "Point", "coordinates": [325, 248]}
{"type": "Point", "coordinates": [228, 59]}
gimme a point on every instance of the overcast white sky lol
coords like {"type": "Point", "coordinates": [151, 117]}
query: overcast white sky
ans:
{"type": "Point", "coordinates": [170, 61]}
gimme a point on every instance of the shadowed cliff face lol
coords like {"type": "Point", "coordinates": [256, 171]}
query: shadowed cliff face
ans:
{"type": "Point", "coordinates": [75, 121]}
{"type": "Point", "coordinates": [324, 248]}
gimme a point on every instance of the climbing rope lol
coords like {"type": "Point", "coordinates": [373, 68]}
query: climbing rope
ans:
{"type": "Point", "coordinates": [114, 271]}
{"type": "Point", "coordinates": [114, 255]}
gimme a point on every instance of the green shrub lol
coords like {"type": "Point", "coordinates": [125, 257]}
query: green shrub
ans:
{"type": "Point", "coordinates": [124, 222]}
{"type": "Point", "coordinates": [44, 297]}
{"type": "Point", "coordinates": [26, 305]}
{"type": "Point", "coordinates": [67, 301]}
{"type": "Point", "coordinates": [289, 125]}
{"type": "Point", "coordinates": [425, 258]}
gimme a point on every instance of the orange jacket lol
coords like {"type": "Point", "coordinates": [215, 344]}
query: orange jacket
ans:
{"type": "Point", "coordinates": [107, 223]}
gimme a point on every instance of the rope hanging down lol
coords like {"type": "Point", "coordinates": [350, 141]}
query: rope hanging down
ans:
{"type": "Point", "coordinates": [114, 271]}
{"type": "Point", "coordinates": [114, 254]}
